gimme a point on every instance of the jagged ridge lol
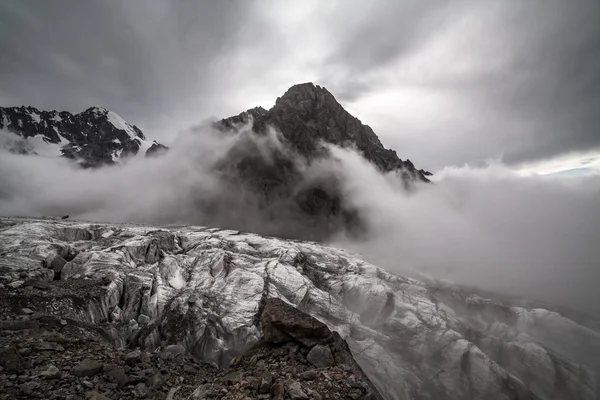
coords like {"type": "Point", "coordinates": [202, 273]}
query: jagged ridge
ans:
{"type": "Point", "coordinates": [94, 137]}
{"type": "Point", "coordinates": [307, 114]}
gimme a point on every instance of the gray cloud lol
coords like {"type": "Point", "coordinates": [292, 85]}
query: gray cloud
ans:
{"type": "Point", "coordinates": [533, 237]}
{"type": "Point", "coordinates": [443, 83]}
{"type": "Point", "coordinates": [147, 60]}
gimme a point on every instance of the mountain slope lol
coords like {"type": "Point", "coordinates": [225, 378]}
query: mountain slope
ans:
{"type": "Point", "coordinates": [206, 289]}
{"type": "Point", "coordinates": [93, 138]}
{"type": "Point", "coordinates": [308, 114]}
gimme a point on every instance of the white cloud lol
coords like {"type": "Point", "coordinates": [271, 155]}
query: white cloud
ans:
{"type": "Point", "coordinates": [531, 236]}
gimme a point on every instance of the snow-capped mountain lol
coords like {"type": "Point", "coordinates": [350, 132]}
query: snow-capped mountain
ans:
{"type": "Point", "coordinates": [92, 138]}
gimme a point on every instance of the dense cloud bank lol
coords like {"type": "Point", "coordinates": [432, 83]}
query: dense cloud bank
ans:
{"type": "Point", "coordinates": [535, 237]}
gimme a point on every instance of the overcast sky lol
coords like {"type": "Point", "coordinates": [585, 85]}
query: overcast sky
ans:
{"type": "Point", "coordinates": [443, 83]}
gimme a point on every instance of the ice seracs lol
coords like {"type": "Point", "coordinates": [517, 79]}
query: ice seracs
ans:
{"type": "Point", "coordinates": [203, 288]}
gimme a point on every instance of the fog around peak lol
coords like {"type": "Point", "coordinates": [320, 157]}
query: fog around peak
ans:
{"type": "Point", "coordinates": [526, 236]}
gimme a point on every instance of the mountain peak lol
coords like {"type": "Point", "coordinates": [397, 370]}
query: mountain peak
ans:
{"type": "Point", "coordinates": [97, 111]}
{"type": "Point", "coordinates": [93, 137]}
{"type": "Point", "coordinates": [307, 91]}
{"type": "Point", "coordinates": [308, 114]}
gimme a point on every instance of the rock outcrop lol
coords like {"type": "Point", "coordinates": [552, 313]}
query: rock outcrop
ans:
{"type": "Point", "coordinates": [308, 115]}
{"type": "Point", "coordinates": [92, 138]}
{"type": "Point", "coordinates": [300, 127]}
{"type": "Point", "coordinates": [217, 294]}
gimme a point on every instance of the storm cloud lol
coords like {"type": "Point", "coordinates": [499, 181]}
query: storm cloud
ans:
{"type": "Point", "coordinates": [443, 83]}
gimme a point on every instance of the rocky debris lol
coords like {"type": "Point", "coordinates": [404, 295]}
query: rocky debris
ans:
{"type": "Point", "coordinates": [87, 367]}
{"type": "Point", "coordinates": [11, 361]}
{"type": "Point", "coordinates": [51, 373]}
{"type": "Point", "coordinates": [90, 368]}
{"type": "Point", "coordinates": [320, 356]}
{"type": "Point", "coordinates": [16, 284]}
{"type": "Point", "coordinates": [408, 338]}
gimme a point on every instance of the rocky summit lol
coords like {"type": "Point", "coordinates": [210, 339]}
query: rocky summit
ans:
{"type": "Point", "coordinates": [302, 126]}
{"type": "Point", "coordinates": [93, 138]}
{"type": "Point", "coordinates": [104, 311]}
{"type": "Point", "coordinates": [308, 115]}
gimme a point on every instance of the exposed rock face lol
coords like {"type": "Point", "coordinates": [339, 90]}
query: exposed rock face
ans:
{"type": "Point", "coordinates": [94, 137]}
{"type": "Point", "coordinates": [308, 114]}
{"type": "Point", "coordinates": [209, 292]}
{"type": "Point", "coordinates": [306, 119]}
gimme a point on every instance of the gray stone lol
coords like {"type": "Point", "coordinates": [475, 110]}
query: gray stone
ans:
{"type": "Point", "coordinates": [133, 357]}
{"type": "Point", "coordinates": [157, 380]}
{"type": "Point", "coordinates": [175, 349]}
{"type": "Point", "coordinates": [57, 265]}
{"type": "Point", "coordinates": [27, 311]}
{"type": "Point", "coordinates": [87, 367]}
{"type": "Point", "coordinates": [314, 395]}
{"type": "Point", "coordinates": [87, 384]}
{"type": "Point", "coordinates": [278, 390]}
{"type": "Point", "coordinates": [94, 395]}
{"type": "Point", "coordinates": [266, 381]}
{"type": "Point", "coordinates": [141, 390]}
{"type": "Point", "coordinates": [309, 375]}
{"type": "Point", "coordinates": [295, 392]}
{"type": "Point", "coordinates": [143, 319]}
{"type": "Point", "coordinates": [16, 284]}
{"type": "Point", "coordinates": [115, 374]}
{"type": "Point", "coordinates": [51, 373]}
{"type": "Point", "coordinates": [233, 377]}
{"type": "Point", "coordinates": [29, 387]}
{"type": "Point", "coordinates": [11, 360]}
{"type": "Point", "coordinates": [48, 346]}
{"type": "Point", "coordinates": [320, 356]}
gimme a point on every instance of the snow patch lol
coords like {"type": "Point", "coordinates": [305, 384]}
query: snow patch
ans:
{"type": "Point", "coordinates": [120, 123]}
{"type": "Point", "coordinates": [35, 116]}
{"type": "Point", "coordinates": [116, 154]}
{"type": "Point", "coordinates": [144, 146]}
{"type": "Point", "coordinates": [42, 147]}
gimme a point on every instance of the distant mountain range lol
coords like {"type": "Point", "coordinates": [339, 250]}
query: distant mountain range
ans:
{"type": "Point", "coordinates": [92, 138]}
{"type": "Point", "coordinates": [306, 115]}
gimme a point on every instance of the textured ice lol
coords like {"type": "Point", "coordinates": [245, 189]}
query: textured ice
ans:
{"type": "Point", "coordinates": [204, 288]}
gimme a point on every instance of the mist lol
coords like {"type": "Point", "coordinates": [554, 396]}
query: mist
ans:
{"type": "Point", "coordinates": [534, 237]}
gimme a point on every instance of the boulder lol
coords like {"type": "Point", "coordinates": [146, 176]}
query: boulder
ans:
{"type": "Point", "coordinates": [87, 367]}
{"type": "Point", "coordinates": [282, 322]}
{"type": "Point", "coordinates": [320, 356]}
{"type": "Point", "coordinates": [11, 360]}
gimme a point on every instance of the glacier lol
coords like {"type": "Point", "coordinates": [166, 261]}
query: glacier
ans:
{"type": "Point", "coordinates": [204, 288]}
